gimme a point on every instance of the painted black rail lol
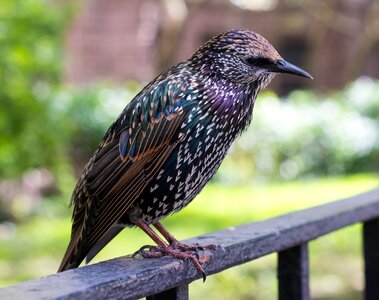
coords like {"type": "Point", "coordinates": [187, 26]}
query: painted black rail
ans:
{"type": "Point", "coordinates": [167, 278]}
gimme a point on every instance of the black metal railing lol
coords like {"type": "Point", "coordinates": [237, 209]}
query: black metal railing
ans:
{"type": "Point", "coordinates": [168, 278]}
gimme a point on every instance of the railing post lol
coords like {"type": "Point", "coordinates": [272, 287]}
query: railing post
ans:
{"type": "Point", "coordinates": [293, 273]}
{"type": "Point", "coordinates": [371, 255]}
{"type": "Point", "coordinates": [178, 293]}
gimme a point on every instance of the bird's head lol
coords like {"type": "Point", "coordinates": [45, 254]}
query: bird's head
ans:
{"type": "Point", "coordinates": [243, 56]}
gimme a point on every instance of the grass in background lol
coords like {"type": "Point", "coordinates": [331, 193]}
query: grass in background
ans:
{"type": "Point", "coordinates": [36, 246]}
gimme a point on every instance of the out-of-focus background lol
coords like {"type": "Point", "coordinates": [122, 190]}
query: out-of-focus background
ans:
{"type": "Point", "coordinates": [67, 69]}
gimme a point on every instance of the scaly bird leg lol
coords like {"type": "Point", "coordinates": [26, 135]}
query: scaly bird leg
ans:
{"type": "Point", "coordinates": [164, 249]}
{"type": "Point", "coordinates": [167, 235]}
{"type": "Point", "coordinates": [178, 245]}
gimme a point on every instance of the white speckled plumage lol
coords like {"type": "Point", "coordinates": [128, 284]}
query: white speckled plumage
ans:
{"type": "Point", "coordinates": [170, 140]}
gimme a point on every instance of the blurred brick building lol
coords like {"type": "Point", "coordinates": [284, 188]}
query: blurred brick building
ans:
{"type": "Point", "coordinates": [136, 39]}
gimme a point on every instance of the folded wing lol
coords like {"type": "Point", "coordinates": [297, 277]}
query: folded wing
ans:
{"type": "Point", "coordinates": [132, 152]}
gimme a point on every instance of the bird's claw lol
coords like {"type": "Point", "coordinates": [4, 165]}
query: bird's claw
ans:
{"type": "Point", "coordinates": [179, 251]}
{"type": "Point", "coordinates": [148, 251]}
{"type": "Point", "coordinates": [204, 276]}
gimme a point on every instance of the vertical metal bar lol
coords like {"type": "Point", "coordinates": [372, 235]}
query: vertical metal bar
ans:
{"type": "Point", "coordinates": [178, 293]}
{"type": "Point", "coordinates": [371, 255]}
{"type": "Point", "coordinates": [293, 273]}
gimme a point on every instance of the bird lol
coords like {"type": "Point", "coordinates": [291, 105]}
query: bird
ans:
{"type": "Point", "coordinates": [167, 144]}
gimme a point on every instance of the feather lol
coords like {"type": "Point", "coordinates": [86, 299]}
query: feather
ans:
{"type": "Point", "coordinates": [130, 155]}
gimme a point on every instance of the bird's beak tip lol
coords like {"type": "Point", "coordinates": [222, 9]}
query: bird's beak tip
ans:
{"type": "Point", "coordinates": [283, 66]}
{"type": "Point", "coordinates": [309, 76]}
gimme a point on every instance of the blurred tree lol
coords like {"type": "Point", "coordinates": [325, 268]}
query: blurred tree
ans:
{"type": "Point", "coordinates": [175, 16]}
{"type": "Point", "coordinates": [174, 23]}
{"type": "Point", "coordinates": [31, 36]}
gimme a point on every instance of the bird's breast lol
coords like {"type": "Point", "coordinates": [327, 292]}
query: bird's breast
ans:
{"type": "Point", "coordinates": [206, 135]}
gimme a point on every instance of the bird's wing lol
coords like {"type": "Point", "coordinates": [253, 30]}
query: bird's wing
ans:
{"type": "Point", "coordinates": [132, 152]}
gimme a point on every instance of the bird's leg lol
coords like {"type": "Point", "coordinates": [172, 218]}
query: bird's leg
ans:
{"type": "Point", "coordinates": [151, 233]}
{"type": "Point", "coordinates": [174, 243]}
{"type": "Point", "coordinates": [151, 251]}
{"type": "Point", "coordinates": [167, 235]}
{"type": "Point", "coordinates": [164, 249]}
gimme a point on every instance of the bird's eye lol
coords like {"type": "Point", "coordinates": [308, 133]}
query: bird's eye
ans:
{"type": "Point", "coordinates": [250, 60]}
{"type": "Point", "coordinates": [257, 61]}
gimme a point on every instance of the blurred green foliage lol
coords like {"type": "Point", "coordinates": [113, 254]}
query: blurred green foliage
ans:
{"type": "Point", "coordinates": [83, 115]}
{"type": "Point", "coordinates": [307, 135]}
{"type": "Point", "coordinates": [30, 68]}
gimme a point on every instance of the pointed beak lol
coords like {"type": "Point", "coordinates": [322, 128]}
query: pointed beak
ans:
{"type": "Point", "coordinates": [282, 66]}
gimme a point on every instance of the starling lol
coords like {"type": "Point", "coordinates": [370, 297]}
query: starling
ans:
{"type": "Point", "coordinates": [168, 143]}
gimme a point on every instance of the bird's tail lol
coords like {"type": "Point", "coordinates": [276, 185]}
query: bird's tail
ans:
{"type": "Point", "coordinates": [72, 258]}
{"type": "Point", "coordinates": [76, 252]}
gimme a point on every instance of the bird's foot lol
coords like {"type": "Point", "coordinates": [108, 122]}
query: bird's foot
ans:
{"type": "Point", "coordinates": [183, 254]}
{"type": "Point", "coordinates": [179, 251]}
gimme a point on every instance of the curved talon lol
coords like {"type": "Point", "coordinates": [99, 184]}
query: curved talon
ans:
{"type": "Point", "coordinates": [146, 247]}
{"type": "Point", "coordinates": [204, 276]}
{"type": "Point", "coordinates": [198, 266]}
{"type": "Point", "coordinates": [142, 251]}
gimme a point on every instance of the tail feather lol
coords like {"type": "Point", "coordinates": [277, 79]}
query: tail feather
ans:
{"type": "Point", "coordinates": [72, 258]}
{"type": "Point", "coordinates": [70, 263]}
{"type": "Point", "coordinates": [102, 242]}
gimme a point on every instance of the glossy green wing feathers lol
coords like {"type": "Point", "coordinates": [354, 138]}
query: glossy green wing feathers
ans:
{"type": "Point", "coordinates": [132, 151]}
